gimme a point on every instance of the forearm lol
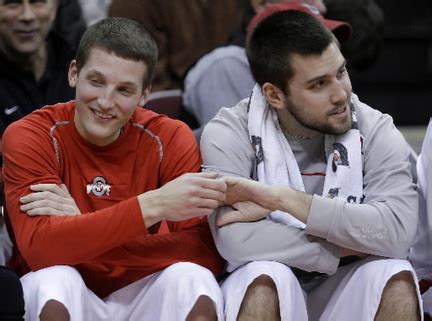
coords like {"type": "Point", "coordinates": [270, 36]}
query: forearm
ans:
{"type": "Point", "coordinates": [376, 228]}
{"type": "Point", "coordinates": [53, 240]}
{"type": "Point", "coordinates": [244, 242]}
{"type": "Point", "coordinates": [292, 201]}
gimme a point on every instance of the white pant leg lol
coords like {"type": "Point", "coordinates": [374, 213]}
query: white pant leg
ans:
{"type": "Point", "coordinates": [63, 284]}
{"type": "Point", "coordinates": [291, 297]}
{"type": "Point", "coordinates": [166, 295]}
{"type": "Point", "coordinates": [358, 295]}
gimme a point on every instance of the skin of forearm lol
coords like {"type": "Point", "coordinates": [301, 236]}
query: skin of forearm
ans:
{"type": "Point", "coordinates": [149, 209]}
{"type": "Point", "coordinates": [295, 202]}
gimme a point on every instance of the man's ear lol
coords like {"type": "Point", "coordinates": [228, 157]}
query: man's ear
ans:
{"type": "Point", "coordinates": [274, 95]}
{"type": "Point", "coordinates": [72, 74]}
{"type": "Point", "coordinates": [144, 96]}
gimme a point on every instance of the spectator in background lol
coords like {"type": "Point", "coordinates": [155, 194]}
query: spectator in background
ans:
{"type": "Point", "coordinates": [33, 60]}
{"type": "Point", "coordinates": [183, 29]}
{"type": "Point", "coordinates": [222, 77]}
{"type": "Point", "coordinates": [94, 10]}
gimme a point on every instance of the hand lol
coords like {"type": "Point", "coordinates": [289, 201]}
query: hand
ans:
{"type": "Point", "coordinates": [269, 197]}
{"type": "Point", "coordinates": [190, 195]}
{"type": "Point", "coordinates": [49, 199]}
{"type": "Point", "coordinates": [242, 212]}
{"type": "Point", "coordinates": [246, 190]}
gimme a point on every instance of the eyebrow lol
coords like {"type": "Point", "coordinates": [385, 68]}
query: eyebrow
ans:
{"type": "Point", "coordinates": [310, 81]}
{"type": "Point", "coordinates": [98, 74]}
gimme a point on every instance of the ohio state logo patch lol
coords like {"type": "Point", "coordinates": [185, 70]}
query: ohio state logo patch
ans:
{"type": "Point", "coordinates": [99, 187]}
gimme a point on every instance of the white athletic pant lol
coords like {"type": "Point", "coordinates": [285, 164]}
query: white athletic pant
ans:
{"type": "Point", "coordinates": [353, 293]}
{"type": "Point", "coordinates": [166, 295]}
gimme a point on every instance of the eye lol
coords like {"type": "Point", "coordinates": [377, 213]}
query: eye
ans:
{"type": "Point", "coordinates": [95, 82]}
{"type": "Point", "coordinates": [38, 1]}
{"type": "Point", "coordinates": [11, 3]}
{"type": "Point", "coordinates": [342, 72]}
{"type": "Point", "coordinates": [319, 84]}
{"type": "Point", "coordinates": [125, 91]}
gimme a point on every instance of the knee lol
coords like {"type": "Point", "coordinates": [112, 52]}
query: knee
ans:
{"type": "Point", "coordinates": [263, 291]}
{"type": "Point", "coordinates": [54, 277]}
{"type": "Point", "coordinates": [261, 301]}
{"type": "Point", "coordinates": [190, 273]}
{"type": "Point", "coordinates": [402, 286]}
{"type": "Point", "coordinates": [204, 309]}
{"type": "Point", "coordinates": [58, 273]}
{"type": "Point", "coordinates": [399, 300]}
{"type": "Point", "coordinates": [196, 278]}
{"type": "Point", "coordinates": [54, 311]}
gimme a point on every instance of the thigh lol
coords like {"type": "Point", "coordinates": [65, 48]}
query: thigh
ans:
{"type": "Point", "coordinates": [291, 297]}
{"type": "Point", "coordinates": [166, 295]}
{"type": "Point", "coordinates": [354, 292]}
{"type": "Point", "coordinates": [65, 285]}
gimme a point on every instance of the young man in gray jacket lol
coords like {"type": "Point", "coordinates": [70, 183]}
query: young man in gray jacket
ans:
{"type": "Point", "coordinates": [321, 207]}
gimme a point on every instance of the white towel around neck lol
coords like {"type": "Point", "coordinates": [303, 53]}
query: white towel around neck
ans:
{"type": "Point", "coordinates": [276, 164]}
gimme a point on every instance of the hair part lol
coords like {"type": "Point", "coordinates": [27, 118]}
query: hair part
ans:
{"type": "Point", "coordinates": [277, 38]}
{"type": "Point", "coordinates": [125, 38]}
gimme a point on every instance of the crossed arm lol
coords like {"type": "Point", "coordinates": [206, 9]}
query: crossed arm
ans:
{"type": "Point", "coordinates": [188, 196]}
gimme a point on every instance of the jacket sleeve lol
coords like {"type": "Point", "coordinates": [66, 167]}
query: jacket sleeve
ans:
{"type": "Point", "coordinates": [240, 243]}
{"type": "Point", "coordinates": [385, 223]}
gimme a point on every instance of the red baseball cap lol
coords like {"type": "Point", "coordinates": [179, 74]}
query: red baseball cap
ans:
{"type": "Point", "coordinates": [342, 30]}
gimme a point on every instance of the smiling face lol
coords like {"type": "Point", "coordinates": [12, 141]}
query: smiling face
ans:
{"type": "Point", "coordinates": [319, 95]}
{"type": "Point", "coordinates": [25, 24]}
{"type": "Point", "coordinates": [108, 89]}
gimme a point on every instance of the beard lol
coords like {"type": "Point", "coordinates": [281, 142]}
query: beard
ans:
{"type": "Point", "coordinates": [325, 126]}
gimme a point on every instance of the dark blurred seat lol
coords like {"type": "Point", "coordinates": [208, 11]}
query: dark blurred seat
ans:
{"type": "Point", "coordinates": [167, 102]}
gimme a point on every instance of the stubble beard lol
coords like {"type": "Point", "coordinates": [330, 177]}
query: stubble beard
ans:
{"type": "Point", "coordinates": [321, 127]}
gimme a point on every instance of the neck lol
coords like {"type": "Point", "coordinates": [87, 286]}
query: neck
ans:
{"type": "Point", "coordinates": [292, 127]}
{"type": "Point", "coordinates": [34, 62]}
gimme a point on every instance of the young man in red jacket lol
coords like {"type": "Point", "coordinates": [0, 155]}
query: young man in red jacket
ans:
{"type": "Point", "coordinates": [88, 184]}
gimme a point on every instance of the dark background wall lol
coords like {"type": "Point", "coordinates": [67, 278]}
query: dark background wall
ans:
{"type": "Point", "coordinates": [400, 81]}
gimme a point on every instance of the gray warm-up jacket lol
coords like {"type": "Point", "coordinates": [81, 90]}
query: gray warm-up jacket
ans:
{"type": "Point", "coordinates": [384, 225]}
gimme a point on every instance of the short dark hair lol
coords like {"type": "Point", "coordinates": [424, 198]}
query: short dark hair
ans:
{"type": "Point", "coordinates": [125, 38]}
{"type": "Point", "coordinates": [277, 38]}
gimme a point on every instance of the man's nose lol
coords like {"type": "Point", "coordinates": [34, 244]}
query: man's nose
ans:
{"type": "Point", "coordinates": [105, 100]}
{"type": "Point", "coordinates": [339, 93]}
{"type": "Point", "coordinates": [27, 12]}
